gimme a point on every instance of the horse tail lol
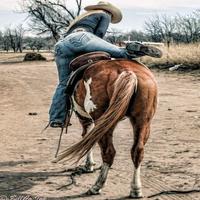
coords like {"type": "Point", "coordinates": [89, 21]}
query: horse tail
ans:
{"type": "Point", "coordinates": [125, 86]}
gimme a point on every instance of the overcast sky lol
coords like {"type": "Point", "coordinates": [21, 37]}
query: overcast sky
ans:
{"type": "Point", "coordinates": [135, 12]}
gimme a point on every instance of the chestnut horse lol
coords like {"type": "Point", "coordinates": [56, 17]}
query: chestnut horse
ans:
{"type": "Point", "coordinates": [109, 91]}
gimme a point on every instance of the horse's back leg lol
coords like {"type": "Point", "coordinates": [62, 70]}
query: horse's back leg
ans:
{"type": "Point", "coordinates": [141, 134]}
{"type": "Point", "coordinates": [141, 112]}
{"type": "Point", "coordinates": [88, 125]}
{"type": "Point", "coordinates": [108, 154]}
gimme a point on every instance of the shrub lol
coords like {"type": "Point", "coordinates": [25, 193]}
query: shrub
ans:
{"type": "Point", "coordinates": [33, 57]}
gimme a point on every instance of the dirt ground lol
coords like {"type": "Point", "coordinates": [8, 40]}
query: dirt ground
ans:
{"type": "Point", "coordinates": [172, 155]}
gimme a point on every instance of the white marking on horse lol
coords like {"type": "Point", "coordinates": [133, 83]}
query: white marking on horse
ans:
{"type": "Point", "coordinates": [136, 185]}
{"type": "Point", "coordinates": [79, 109]}
{"type": "Point", "coordinates": [88, 103]}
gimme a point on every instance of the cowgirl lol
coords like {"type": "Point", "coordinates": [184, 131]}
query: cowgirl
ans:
{"type": "Point", "coordinates": [85, 35]}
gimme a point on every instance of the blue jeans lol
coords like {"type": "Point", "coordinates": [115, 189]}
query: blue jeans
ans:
{"type": "Point", "coordinates": [65, 51]}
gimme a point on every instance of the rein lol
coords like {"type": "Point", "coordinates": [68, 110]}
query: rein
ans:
{"type": "Point", "coordinates": [67, 123]}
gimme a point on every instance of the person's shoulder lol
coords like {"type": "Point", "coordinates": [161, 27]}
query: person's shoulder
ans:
{"type": "Point", "coordinates": [98, 16]}
{"type": "Point", "coordinates": [103, 15]}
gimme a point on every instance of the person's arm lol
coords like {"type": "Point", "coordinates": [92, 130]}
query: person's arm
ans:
{"type": "Point", "coordinates": [102, 26]}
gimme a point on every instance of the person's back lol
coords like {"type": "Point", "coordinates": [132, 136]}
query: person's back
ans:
{"type": "Point", "coordinates": [96, 23]}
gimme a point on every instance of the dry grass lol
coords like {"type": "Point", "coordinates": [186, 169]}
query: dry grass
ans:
{"type": "Point", "coordinates": [186, 54]}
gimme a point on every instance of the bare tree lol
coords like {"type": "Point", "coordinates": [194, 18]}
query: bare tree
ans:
{"type": "Point", "coordinates": [189, 27]}
{"type": "Point", "coordinates": [114, 36]}
{"type": "Point", "coordinates": [168, 26]}
{"type": "Point", "coordinates": [39, 43]}
{"type": "Point", "coordinates": [19, 36]}
{"type": "Point", "coordinates": [12, 38]}
{"type": "Point", "coordinates": [32, 45]}
{"type": "Point", "coordinates": [160, 28]}
{"type": "Point", "coordinates": [154, 29]}
{"type": "Point", "coordinates": [1, 40]}
{"type": "Point", "coordinates": [179, 28]}
{"type": "Point", "coordinates": [136, 36]}
{"type": "Point", "coordinates": [51, 16]}
{"type": "Point", "coordinates": [5, 42]}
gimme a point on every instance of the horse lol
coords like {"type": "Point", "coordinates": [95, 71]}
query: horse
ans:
{"type": "Point", "coordinates": [109, 91]}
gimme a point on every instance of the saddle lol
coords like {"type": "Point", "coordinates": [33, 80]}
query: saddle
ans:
{"type": "Point", "coordinates": [80, 64]}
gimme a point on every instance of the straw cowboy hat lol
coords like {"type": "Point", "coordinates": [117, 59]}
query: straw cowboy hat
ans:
{"type": "Point", "coordinates": [104, 5]}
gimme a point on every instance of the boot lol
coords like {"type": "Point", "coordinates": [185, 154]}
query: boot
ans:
{"type": "Point", "coordinates": [56, 124]}
{"type": "Point", "coordinates": [136, 48]}
{"type": "Point", "coordinates": [60, 124]}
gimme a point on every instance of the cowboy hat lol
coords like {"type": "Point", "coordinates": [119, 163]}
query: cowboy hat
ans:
{"type": "Point", "coordinates": [104, 5]}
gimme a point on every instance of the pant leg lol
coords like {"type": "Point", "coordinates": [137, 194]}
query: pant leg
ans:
{"type": "Point", "coordinates": [65, 51]}
{"type": "Point", "coordinates": [98, 44]}
{"type": "Point", "coordinates": [58, 107]}
{"type": "Point", "coordinates": [85, 42]}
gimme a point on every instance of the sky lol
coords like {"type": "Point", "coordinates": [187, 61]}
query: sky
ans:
{"type": "Point", "coordinates": [135, 12]}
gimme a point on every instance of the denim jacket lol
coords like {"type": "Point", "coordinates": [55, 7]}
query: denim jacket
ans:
{"type": "Point", "coordinates": [96, 23]}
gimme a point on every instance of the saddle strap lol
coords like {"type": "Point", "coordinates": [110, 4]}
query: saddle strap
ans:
{"type": "Point", "coordinates": [75, 76]}
{"type": "Point", "coordinates": [88, 58]}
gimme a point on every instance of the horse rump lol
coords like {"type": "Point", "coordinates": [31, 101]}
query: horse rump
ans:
{"type": "Point", "coordinates": [124, 88]}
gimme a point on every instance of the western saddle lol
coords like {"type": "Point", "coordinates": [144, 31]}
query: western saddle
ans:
{"type": "Point", "coordinates": [80, 64]}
